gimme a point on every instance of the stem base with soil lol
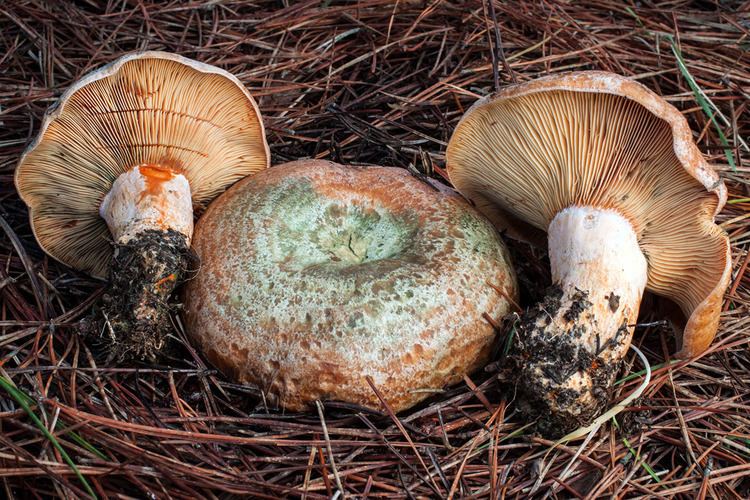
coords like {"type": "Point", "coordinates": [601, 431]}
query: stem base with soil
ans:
{"type": "Point", "coordinates": [136, 307]}
{"type": "Point", "coordinates": [569, 348]}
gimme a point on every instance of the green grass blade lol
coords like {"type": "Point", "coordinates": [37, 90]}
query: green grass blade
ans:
{"type": "Point", "coordinates": [635, 16]}
{"type": "Point", "coordinates": [645, 465]}
{"type": "Point", "coordinates": [640, 373]}
{"type": "Point", "coordinates": [85, 444]}
{"type": "Point", "coordinates": [509, 339]}
{"type": "Point", "coordinates": [24, 400]}
{"type": "Point", "coordinates": [704, 102]}
{"type": "Point", "coordinates": [74, 435]}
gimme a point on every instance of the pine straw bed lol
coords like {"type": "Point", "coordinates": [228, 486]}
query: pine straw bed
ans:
{"type": "Point", "coordinates": [378, 82]}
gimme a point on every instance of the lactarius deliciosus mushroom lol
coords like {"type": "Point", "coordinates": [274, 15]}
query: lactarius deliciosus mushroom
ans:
{"type": "Point", "coordinates": [609, 170]}
{"type": "Point", "coordinates": [126, 154]}
{"type": "Point", "coordinates": [315, 276]}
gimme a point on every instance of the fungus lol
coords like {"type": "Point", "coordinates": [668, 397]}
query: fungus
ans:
{"type": "Point", "coordinates": [126, 154]}
{"type": "Point", "coordinates": [314, 276]}
{"type": "Point", "coordinates": [609, 170]}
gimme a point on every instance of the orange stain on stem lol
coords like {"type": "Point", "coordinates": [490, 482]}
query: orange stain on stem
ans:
{"type": "Point", "coordinates": [154, 176]}
{"type": "Point", "coordinates": [166, 280]}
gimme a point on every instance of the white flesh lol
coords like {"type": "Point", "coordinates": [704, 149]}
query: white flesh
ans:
{"type": "Point", "coordinates": [139, 202]}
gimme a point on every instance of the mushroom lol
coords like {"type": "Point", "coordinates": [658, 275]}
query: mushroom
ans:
{"type": "Point", "coordinates": [126, 154]}
{"type": "Point", "coordinates": [315, 276]}
{"type": "Point", "coordinates": [609, 170]}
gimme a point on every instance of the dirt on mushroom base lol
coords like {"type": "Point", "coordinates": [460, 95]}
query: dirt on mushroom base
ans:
{"type": "Point", "coordinates": [545, 361]}
{"type": "Point", "coordinates": [135, 310]}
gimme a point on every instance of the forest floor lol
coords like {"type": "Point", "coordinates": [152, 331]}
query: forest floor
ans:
{"type": "Point", "coordinates": [381, 82]}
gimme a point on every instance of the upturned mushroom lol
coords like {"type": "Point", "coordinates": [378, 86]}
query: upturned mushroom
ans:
{"type": "Point", "coordinates": [315, 276]}
{"type": "Point", "coordinates": [610, 171]}
{"type": "Point", "coordinates": [126, 154]}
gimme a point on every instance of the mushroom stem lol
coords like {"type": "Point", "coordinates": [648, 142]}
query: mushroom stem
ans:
{"type": "Point", "coordinates": [150, 215]}
{"type": "Point", "coordinates": [148, 197]}
{"type": "Point", "coordinates": [570, 346]}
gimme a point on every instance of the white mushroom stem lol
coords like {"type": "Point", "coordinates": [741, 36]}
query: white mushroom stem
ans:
{"type": "Point", "coordinates": [148, 197]}
{"type": "Point", "coordinates": [570, 347]}
{"type": "Point", "coordinates": [596, 251]}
